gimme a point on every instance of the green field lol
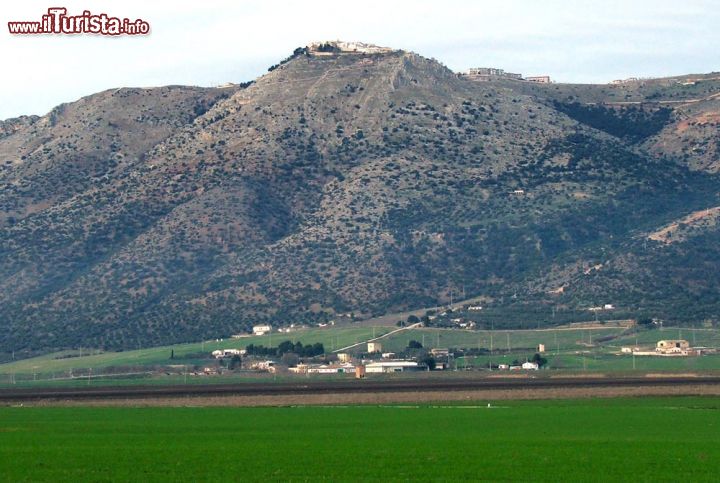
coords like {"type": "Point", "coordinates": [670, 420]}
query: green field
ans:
{"type": "Point", "coordinates": [498, 339]}
{"type": "Point", "coordinates": [658, 439]}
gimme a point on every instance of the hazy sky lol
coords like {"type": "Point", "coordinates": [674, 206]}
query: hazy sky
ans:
{"type": "Point", "coordinates": [209, 42]}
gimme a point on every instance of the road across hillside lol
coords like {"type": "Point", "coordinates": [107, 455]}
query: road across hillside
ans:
{"type": "Point", "coordinates": [319, 388]}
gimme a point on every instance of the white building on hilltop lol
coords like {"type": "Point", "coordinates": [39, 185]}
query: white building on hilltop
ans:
{"type": "Point", "coordinates": [338, 46]}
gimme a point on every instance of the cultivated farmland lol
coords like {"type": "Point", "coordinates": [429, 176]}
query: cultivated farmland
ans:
{"type": "Point", "coordinates": [511, 440]}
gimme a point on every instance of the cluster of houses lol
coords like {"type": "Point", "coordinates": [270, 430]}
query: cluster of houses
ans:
{"type": "Point", "coordinates": [492, 73]}
{"type": "Point", "coordinates": [334, 47]}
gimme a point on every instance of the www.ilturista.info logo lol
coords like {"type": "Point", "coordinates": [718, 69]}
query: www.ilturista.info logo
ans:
{"type": "Point", "coordinates": [58, 22]}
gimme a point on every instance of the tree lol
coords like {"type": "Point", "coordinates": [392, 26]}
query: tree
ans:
{"type": "Point", "coordinates": [235, 361]}
{"type": "Point", "coordinates": [413, 344]}
{"type": "Point", "coordinates": [318, 349]}
{"type": "Point", "coordinates": [539, 360]}
{"type": "Point", "coordinates": [413, 319]}
{"type": "Point", "coordinates": [286, 346]}
{"type": "Point", "coordinates": [428, 360]}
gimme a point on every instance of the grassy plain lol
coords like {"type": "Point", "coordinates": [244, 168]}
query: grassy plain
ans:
{"type": "Point", "coordinates": [587, 440]}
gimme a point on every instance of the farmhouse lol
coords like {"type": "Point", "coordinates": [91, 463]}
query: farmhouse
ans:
{"type": "Point", "coordinates": [678, 346]}
{"type": "Point", "coordinates": [667, 348]}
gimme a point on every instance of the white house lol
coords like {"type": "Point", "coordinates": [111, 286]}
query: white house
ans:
{"type": "Point", "coordinates": [262, 329]}
{"type": "Point", "coordinates": [530, 366]}
{"type": "Point", "coordinates": [391, 366]}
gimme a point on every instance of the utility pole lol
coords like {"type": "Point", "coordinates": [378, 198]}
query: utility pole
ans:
{"type": "Point", "coordinates": [508, 341]}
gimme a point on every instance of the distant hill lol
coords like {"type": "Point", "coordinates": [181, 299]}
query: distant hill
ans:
{"type": "Point", "coordinates": [363, 182]}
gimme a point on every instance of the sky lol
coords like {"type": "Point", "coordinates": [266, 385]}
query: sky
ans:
{"type": "Point", "coordinates": [210, 42]}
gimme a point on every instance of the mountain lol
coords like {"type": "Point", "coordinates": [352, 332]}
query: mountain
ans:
{"type": "Point", "coordinates": [353, 179]}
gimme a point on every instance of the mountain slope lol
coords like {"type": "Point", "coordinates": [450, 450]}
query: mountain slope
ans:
{"type": "Point", "coordinates": [341, 182]}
